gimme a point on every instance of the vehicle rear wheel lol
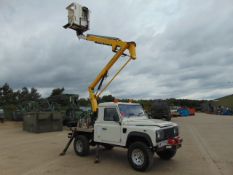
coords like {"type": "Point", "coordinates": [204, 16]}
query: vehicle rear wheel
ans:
{"type": "Point", "coordinates": [140, 156]}
{"type": "Point", "coordinates": [81, 145]}
{"type": "Point", "coordinates": [167, 153]}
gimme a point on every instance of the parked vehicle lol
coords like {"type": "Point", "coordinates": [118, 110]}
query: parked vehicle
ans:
{"type": "Point", "coordinates": [174, 111]}
{"type": "Point", "coordinates": [126, 125]}
{"type": "Point", "coordinates": [160, 110]}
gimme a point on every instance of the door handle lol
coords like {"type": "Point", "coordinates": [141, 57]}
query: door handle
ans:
{"type": "Point", "coordinates": [104, 128]}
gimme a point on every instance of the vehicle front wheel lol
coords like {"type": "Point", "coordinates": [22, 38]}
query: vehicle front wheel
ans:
{"type": "Point", "coordinates": [81, 145]}
{"type": "Point", "coordinates": [167, 153]}
{"type": "Point", "coordinates": [140, 156]}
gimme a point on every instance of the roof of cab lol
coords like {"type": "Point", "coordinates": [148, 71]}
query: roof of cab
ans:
{"type": "Point", "coordinates": [106, 104]}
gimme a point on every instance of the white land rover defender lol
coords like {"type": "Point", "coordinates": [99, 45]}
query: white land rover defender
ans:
{"type": "Point", "coordinates": [126, 125]}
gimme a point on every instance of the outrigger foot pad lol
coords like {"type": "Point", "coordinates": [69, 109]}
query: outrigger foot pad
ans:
{"type": "Point", "coordinates": [62, 154]}
{"type": "Point", "coordinates": [97, 161]}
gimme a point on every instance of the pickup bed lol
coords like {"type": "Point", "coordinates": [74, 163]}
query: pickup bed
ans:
{"type": "Point", "coordinates": [126, 125]}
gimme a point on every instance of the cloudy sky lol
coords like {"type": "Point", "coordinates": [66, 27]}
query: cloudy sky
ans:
{"type": "Point", "coordinates": [184, 48]}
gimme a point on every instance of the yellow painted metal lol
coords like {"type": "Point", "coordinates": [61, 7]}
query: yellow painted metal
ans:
{"type": "Point", "coordinates": [132, 50]}
{"type": "Point", "coordinates": [113, 77]}
{"type": "Point", "coordinates": [119, 47]}
{"type": "Point", "coordinates": [114, 42]}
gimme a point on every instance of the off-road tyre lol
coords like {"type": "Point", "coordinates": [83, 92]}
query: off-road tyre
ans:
{"type": "Point", "coordinates": [144, 161]}
{"type": "Point", "coordinates": [81, 145]}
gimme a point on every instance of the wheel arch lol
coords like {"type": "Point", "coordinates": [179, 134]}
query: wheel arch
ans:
{"type": "Point", "coordinates": [138, 136]}
{"type": "Point", "coordinates": [86, 134]}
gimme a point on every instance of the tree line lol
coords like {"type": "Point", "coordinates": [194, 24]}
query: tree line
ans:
{"type": "Point", "coordinates": [11, 99]}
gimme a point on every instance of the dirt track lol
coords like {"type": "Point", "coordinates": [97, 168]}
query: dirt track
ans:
{"type": "Point", "coordinates": [207, 149]}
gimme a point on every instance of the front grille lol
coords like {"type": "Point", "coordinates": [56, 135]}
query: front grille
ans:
{"type": "Point", "coordinates": [165, 134]}
{"type": "Point", "coordinates": [169, 133]}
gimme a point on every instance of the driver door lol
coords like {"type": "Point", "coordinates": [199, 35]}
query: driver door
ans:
{"type": "Point", "coordinates": [111, 129]}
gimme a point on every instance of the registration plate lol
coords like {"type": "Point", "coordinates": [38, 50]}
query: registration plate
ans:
{"type": "Point", "coordinates": [162, 144]}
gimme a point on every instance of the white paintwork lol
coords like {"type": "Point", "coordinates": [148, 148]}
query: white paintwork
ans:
{"type": "Point", "coordinates": [77, 16]}
{"type": "Point", "coordinates": [103, 135]}
{"type": "Point", "coordinates": [113, 133]}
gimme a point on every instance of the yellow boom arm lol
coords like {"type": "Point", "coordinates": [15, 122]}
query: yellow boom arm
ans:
{"type": "Point", "coordinates": [119, 47]}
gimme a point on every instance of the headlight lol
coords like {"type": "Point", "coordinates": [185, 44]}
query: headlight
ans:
{"type": "Point", "coordinates": [159, 135]}
{"type": "Point", "coordinates": [176, 131]}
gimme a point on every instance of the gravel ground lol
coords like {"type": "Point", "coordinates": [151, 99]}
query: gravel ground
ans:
{"type": "Point", "coordinates": [207, 149]}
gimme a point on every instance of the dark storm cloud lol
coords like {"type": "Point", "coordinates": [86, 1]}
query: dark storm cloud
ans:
{"type": "Point", "coordinates": [184, 48]}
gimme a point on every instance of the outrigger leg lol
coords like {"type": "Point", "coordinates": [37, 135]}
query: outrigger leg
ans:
{"type": "Point", "coordinates": [97, 157]}
{"type": "Point", "coordinates": [71, 136]}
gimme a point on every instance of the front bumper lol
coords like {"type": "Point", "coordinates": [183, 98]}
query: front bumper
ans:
{"type": "Point", "coordinates": [175, 142]}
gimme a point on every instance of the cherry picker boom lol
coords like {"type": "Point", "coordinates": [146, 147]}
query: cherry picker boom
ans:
{"type": "Point", "coordinates": [78, 20]}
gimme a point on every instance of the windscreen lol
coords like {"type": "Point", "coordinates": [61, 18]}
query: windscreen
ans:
{"type": "Point", "coordinates": [131, 110]}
